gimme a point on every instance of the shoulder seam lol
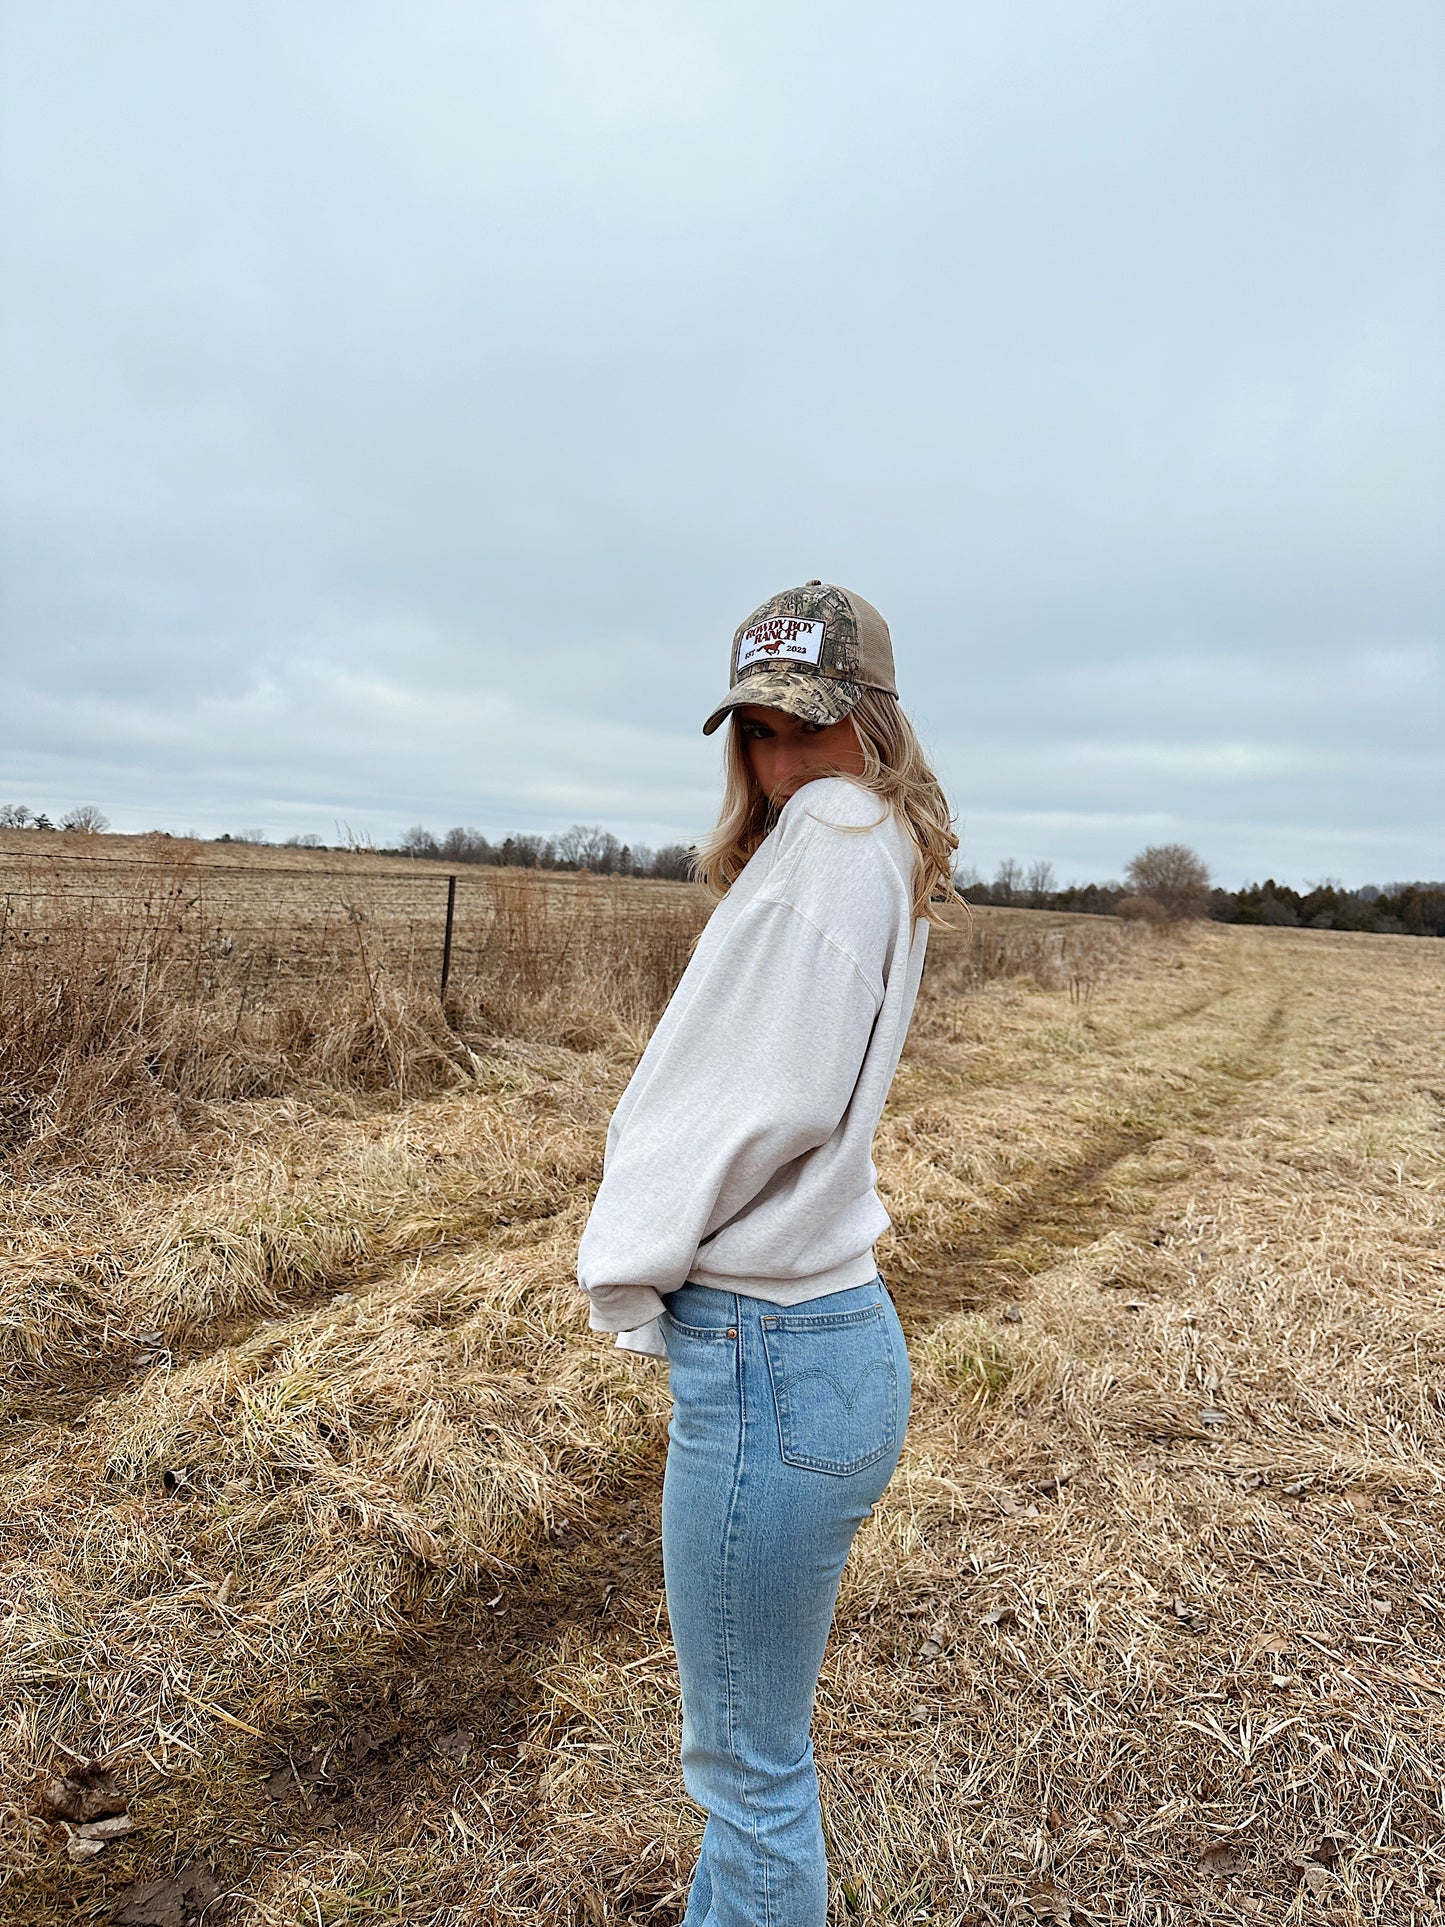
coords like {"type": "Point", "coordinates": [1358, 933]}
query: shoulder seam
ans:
{"type": "Point", "coordinates": [781, 903]}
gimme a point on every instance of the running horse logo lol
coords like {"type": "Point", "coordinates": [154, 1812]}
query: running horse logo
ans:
{"type": "Point", "coordinates": [774, 637]}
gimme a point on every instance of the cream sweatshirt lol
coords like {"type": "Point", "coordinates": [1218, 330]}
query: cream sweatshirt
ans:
{"type": "Point", "coordinates": [740, 1154]}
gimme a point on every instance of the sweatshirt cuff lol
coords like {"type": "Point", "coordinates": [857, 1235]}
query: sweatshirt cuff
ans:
{"type": "Point", "coordinates": [649, 1341]}
{"type": "Point", "coordinates": [622, 1308]}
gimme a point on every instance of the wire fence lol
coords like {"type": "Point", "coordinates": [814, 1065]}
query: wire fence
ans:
{"type": "Point", "coordinates": [280, 926]}
{"type": "Point", "coordinates": [127, 992]}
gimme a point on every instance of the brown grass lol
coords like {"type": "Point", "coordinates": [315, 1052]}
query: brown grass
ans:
{"type": "Point", "coordinates": [333, 1534]}
{"type": "Point", "coordinates": [135, 992]}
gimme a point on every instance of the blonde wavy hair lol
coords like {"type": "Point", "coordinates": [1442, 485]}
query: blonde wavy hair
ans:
{"type": "Point", "coordinates": [894, 768]}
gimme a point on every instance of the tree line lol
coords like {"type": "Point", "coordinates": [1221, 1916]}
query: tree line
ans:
{"type": "Point", "coordinates": [586, 846]}
{"type": "Point", "coordinates": [85, 817]}
{"type": "Point", "coordinates": [1170, 882]}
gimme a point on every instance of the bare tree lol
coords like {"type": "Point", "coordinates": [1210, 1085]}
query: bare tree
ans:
{"type": "Point", "coordinates": [673, 862]}
{"type": "Point", "coordinates": [86, 818]}
{"type": "Point", "coordinates": [466, 846]}
{"type": "Point", "coordinates": [1040, 884]}
{"type": "Point", "coordinates": [419, 841]}
{"type": "Point", "coordinates": [13, 816]}
{"type": "Point", "coordinates": [585, 846]}
{"type": "Point", "coordinates": [1007, 879]}
{"type": "Point", "coordinates": [1175, 876]}
{"type": "Point", "coordinates": [529, 851]}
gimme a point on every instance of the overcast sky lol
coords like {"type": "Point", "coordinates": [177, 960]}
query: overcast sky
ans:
{"type": "Point", "coordinates": [404, 402]}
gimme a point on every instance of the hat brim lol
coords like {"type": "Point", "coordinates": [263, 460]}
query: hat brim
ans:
{"type": "Point", "coordinates": [813, 699]}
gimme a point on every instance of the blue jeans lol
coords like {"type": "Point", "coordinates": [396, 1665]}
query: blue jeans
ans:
{"type": "Point", "coordinates": [787, 1423]}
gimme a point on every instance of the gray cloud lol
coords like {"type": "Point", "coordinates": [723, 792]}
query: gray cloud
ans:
{"type": "Point", "coordinates": [402, 410]}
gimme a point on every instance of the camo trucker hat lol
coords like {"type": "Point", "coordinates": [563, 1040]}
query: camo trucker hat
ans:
{"type": "Point", "coordinates": [811, 651]}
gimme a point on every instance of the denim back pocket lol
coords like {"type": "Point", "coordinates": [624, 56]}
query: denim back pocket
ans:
{"type": "Point", "coordinates": [835, 1386]}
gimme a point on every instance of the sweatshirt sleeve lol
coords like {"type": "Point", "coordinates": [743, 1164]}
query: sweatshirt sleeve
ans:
{"type": "Point", "coordinates": [757, 1070]}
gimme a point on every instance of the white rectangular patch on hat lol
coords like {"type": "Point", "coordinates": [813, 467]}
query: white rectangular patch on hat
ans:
{"type": "Point", "coordinates": [780, 639]}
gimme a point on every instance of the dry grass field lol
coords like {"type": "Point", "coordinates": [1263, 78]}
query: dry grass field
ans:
{"type": "Point", "coordinates": [330, 1565]}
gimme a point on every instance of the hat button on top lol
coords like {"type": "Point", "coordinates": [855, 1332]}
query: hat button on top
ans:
{"type": "Point", "coordinates": [814, 582]}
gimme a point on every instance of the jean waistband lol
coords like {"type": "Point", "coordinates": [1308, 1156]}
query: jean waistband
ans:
{"type": "Point", "coordinates": [724, 1306]}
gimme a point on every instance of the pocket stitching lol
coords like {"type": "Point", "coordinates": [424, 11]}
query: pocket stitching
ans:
{"type": "Point", "coordinates": [825, 1321]}
{"type": "Point", "coordinates": [700, 1331]}
{"type": "Point", "coordinates": [780, 1380]}
{"type": "Point", "coordinates": [884, 1365]}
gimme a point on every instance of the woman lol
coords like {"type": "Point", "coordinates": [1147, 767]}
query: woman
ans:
{"type": "Point", "coordinates": [733, 1231]}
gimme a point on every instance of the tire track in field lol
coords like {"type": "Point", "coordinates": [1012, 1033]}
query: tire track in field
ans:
{"type": "Point", "coordinates": [931, 1061]}
{"type": "Point", "coordinates": [1066, 1208]}
{"type": "Point", "coordinates": [33, 1403]}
